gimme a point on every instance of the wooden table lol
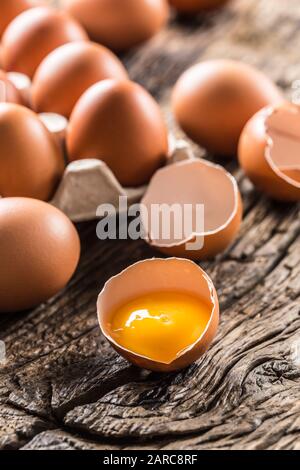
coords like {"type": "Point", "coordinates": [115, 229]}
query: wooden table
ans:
{"type": "Point", "coordinates": [63, 387]}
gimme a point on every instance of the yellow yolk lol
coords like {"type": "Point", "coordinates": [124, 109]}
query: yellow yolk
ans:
{"type": "Point", "coordinates": [160, 325]}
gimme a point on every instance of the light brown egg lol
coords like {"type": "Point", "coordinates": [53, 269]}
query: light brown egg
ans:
{"type": "Point", "coordinates": [194, 6]}
{"type": "Point", "coordinates": [23, 84]}
{"type": "Point", "coordinates": [39, 252]}
{"type": "Point", "coordinates": [120, 24]}
{"type": "Point", "coordinates": [190, 235]}
{"type": "Point", "coordinates": [31, 162]}
{"type": "Point", "coordinates": [33, 34]}
{"type": "Point", "coordinates": [147, 278]}
{"type": "Point", "coordinates": [212, 102]}
{"type": "Point", "coordinates": [119, 123]}
{"type": "Point", "coordinates": [66, 73]}
{"type": "Point", "coordinates": [8, 92]}
{"type": "Point", "coordinates": [269, 151]}
{"type": "Point", "coordinates": [12, 8]}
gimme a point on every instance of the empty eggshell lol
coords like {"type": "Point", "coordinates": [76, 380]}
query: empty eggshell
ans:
{"type": "Point", "coordinates": [12, 8]}
{"type": "Point", "coordinates": [39, 252]}
{"type": "Point", "coordinates": [155, 275]}
{"type": "Point", "coordinates": [192, 183]}
{"type": "Point", "coordinates": [33, 34]}
{"type": "Point", "coordinates": [194, 6]}
{"type": "Point", "coordinates": [67, 72]}
{"type": "Point", "coordinates": [31, 162]}
{"type": "Point", "coordinates": [120, 24]}
{"type": "Point", "coordinates": [213, 100]}
{"type": "Point", "coordinates": [8, 91]}
{"type": "Point", "coordinates": [269, 151]}
{"type": "Point", "coordinates": [118, 122]}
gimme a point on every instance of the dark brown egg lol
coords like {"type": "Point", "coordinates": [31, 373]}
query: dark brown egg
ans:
{"type": "Point", "coordinates": [33, 34]}
{"type": "Point", "coordinates": [12, 8]}
{"type": "Point", "coordinates": [8, 92]}
{"type": "Point", "coordinates": [119, 123]}
{"type": "Point", "coordinates": [31, 162]}
{"type": "Point", "coordinates": [119, 24]}
{"type": "Point", "coordinates": [39, 252]}
{"type": "Point", "coordinates": [194, 6]}
{"type": "Point", "coordinates": [212, 102]}
{"type": "Point", "coordinates": [66, 73]}
{"type": "Point", "coordinates": [269, 151]}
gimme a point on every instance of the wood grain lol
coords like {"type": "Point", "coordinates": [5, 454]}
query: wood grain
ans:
{"type": "Point", "coordinates": [63, 387]}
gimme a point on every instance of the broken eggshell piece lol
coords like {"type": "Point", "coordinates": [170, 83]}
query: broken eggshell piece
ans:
{"type": "Point", "coordinates": [269, 151]}
{"type": "Point", "coordinates": [191, 184]}
{"type": "Point", "coordinates": [151, 276]}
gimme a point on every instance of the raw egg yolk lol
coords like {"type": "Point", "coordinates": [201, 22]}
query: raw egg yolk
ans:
{"type": "Point", "coordinates": [160, 325]}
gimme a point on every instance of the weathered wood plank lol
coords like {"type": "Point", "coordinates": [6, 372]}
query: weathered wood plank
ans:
{"type": "Point", "coordinates": [62, 377]}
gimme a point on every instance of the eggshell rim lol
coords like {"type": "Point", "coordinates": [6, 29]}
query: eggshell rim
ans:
{"type": "Point", "coordinates": [203, 234]}
{"type": "Point", "coordinates": [270, 111]}
{"type": "Point", "coordinates": [213, 299]}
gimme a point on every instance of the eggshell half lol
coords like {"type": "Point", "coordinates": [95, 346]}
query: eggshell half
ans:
{"type": "Point", "coordinates": [194, 6]}
{"type": "Point", "coordinates": [8, 91]}
{"type": "Point", "coordinates": [120, 24]}
{"type": "Point", "coordinates": [155, 275]}
{"type": "Point", "coordinates": [119, 123]}
{"type": "Point", "coordinates": [9, 9]}
{"type": "Point", "coordinates": [212, 101]}
{"type": "Point", "coordinates": [31, 163]}
{"type": "Point", "coordinates": [67, 72]}
{"type": "Point", "coordinates": [39, 252]}
{"type": "Point", "coordinates": [32, 35]}
{"type": "Point", "coordinates": [190, 183]}
{"type": "Point", "coordinates": [269, 151]}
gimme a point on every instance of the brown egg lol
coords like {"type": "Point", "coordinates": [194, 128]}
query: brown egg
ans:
{"type": "Point", "coordinates": [212, 102]}
{"type": "Point", "coordinates": [31, 163]}
{"type": "Point", "coordinates": [119, 123]}
{"type": "Point", "coordinates": [39, 252]}
{"type": "Point", "coordinates": [12, 8]}
{"type": "Point", "coordinates": [183, 187]}
{"type": "Point", "coordinates": [147, 278]}
{"type": "Point", "coordinates": [269, 151]}
{"type": "Point", "coordinates": [120, 24]}
{"type": "Point", "coordinates": [8, 92]}
{"type": "Point", "coordinates": [193, 6]}
{"type": "Point", "coordinates": [66, 73]}
{"type": "Point", "coordinates": [33, 34]}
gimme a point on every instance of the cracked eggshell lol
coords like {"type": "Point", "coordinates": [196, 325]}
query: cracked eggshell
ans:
{"type": "Point", "coordinates": [31, 162]}
{"type": "Point", "coordinates": [120, 123]}
{"type": "Point", "coordinates": [12, 8]}
{"type": "Point", "coordinates": [32, 35]}
{"type": "Point", "coordinates": [119, 24]}
{"type": "Point", "coordinates": [269, 151]}
{"type": "Point", "coordinates": [194, 6]}
{"type": "Point", "coordinates": [8, 91]}
{"type": "Point", "coordinates": [44, 247]}
{"type": "Point", "coordinates": [212, 101]}
{"type": "Point", "coordinates": [194, 182]}
{"type": "Point", "coordinates": [156, 275]}
{"type": "Point", "coordinates": [67, 72]}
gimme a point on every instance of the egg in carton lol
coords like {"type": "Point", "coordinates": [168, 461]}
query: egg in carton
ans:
{"type": "Point", "coordinates": [88, 183]}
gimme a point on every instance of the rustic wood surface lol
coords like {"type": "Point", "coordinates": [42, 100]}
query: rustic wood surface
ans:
{"type": "Point", "coordinates": [63, 387]}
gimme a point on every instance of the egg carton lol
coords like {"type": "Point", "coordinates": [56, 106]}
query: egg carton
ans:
{"type": "Point", "coordinates": [86, 184]}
